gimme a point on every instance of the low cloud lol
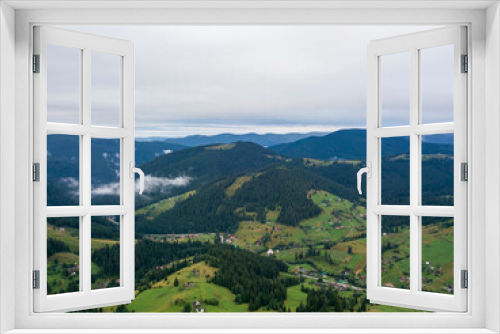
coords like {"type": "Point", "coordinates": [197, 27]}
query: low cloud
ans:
{"type": "Point", "coordinates": [107, 189]}
{"type": "Point", "coordinates": [151, 184]}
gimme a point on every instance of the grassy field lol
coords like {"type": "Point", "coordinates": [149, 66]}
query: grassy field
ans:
{"type": "Point", "coordinates": [165, 297]}
{"type": "Point", "coordinates": [294, 297]}
{"type": "Point", "coordinates": [437, 251]}
{"type": "Point", "coordinates": [68, 235]}
{"type": "Point", "coordinates": [58, 275]}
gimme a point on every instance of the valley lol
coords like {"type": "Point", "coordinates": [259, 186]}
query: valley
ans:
{"type": "Point", "coordinates": [262, 231]}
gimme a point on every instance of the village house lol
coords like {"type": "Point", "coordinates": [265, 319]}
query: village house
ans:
{"type": "Point", "coordinates": [270, 252]}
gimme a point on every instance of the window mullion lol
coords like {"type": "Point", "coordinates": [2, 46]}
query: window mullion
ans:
{"type": "Point", "coordinates": [85, 166]}
{"type": "Point", "coordinates": [414, 170]}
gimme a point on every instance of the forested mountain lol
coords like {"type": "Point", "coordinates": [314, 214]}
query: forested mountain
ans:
{"type": "Point", "coordinates": [212, 169]}
{"type": "Point", "coordinates": [205, 164]}
{"type": "Point", "coordinates": [265, 140]}
{"type": "Point", "coordinates": [150, 150]}
{"type": "Point", "coordinates": [220, 206]}
{"type": "Point", "coordinates": [283, 189]}
{"type": "Point", "coordinates": [351, 145]}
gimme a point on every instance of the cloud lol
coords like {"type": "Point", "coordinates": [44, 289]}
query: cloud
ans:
{"type": "Point", "coordinates": [167, 151]}
{"type": "Point", "coordinates": [151, 184]}
{"type": "Point", "coordinates": [252, 76]}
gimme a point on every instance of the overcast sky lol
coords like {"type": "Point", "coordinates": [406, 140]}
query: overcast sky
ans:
{"type": "Point", "coordinates": [214, 79]}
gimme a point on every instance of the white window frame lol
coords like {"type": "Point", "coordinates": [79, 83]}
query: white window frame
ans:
{"type": "Point", "coordinates": [413, 44]}
{"type": "Point", "coordinates": [483, 123]}
{"type": "Point", "coordinates": [85, 298]}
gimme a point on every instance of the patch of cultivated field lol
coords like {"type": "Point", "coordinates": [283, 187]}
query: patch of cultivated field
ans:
{"type": "Point", "coordinates": [70, 237]}
{"type": "Point", "coordinates": [153, 210]}
{"type": "Point", "coordinates": [99, 243]}
{"type": "Point", "coordinates": [355, 259]}
{"type": "Point", "coordinates": [288, 255]}
{"type": "Point", "coordinates": [240, 181]}
{"type": "Point", "coordinates": [339, 219]}
{"type": "Point", "coordinates": [273, 234]}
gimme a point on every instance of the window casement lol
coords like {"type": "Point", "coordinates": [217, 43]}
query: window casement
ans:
{"type": "Point", "coordinates": [416, 212]}
{"type": "Point", "coordinates": [81, 130]}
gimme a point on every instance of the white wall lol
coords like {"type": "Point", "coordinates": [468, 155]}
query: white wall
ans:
{"type": "Point", "coordinates": [492, 164]}
{"type": "Point", "coordinates": [7, 160]}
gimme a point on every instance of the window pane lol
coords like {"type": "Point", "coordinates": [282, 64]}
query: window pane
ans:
{"type": "Point", "coordinates": [395, 168]}
{"type": "Point", "coordinates": [105, 232]}
{"type": "Point", "coordinates": [106, 87]}
{"type": "Point", "coordinates": [437, 169]}
{"type": "Point", "coordinates": [106, 187]}
{"type": "Point", "coordinates": [396, 252]}
{"type": "Point", "coordinates": [437, 79]}
{"type": "Point", "coordinates": [63, 248]}
{"type": "Point", "coordinates": [437, 254]}
{"type": "Point", "coordinates": [395, 89]}
{"type": "Point", "coordinates": [63, 170]}
{"type": "Point", "coordinates": [63, 84]}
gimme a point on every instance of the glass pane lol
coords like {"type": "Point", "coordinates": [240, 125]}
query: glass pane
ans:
{"type": "Point", "coordinates": [437, 80]}
{"type": "Point", "coordinates": [396, 252]}
{"type": "Point", "coordinates": [395, 89]}
{"type": "Point", "coordinates": [437, 169]}
{"type": "Point", "coordinates": [63, 84]}
{"type": "Point", "coordinates": [106, 87]}
{"type": "Point", "coordinates": [63, 170]}
{"type": "Point", "coordinates": [105, 171]}
{"type": "Point", "coordinates": [395, 168]}
{"type": "Point", "coordinates": [63, 248]}
{"type": "Point", "coordinates": [437, 254]}
{"type": "Point", "coordinates": [105, 245]}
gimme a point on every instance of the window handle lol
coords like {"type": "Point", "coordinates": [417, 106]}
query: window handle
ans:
{"type": "Point", "coordinates": [139, 171]}
{"type": "Point", "coordinates": [368, 171]}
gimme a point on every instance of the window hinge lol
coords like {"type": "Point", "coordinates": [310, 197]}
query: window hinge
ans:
{"type": "Point", "coordinates": [36, 172]}
{"type": "Point", "coordinates": [465, 279]}
{"type": "Point", "coordinates": [465, 64]}
{"type": "Point", "coordinates": [464, 170]}
{"type": "Point", "coordinates": [36, 63]}
{"type": "Point", "coordinates": [36, 279]}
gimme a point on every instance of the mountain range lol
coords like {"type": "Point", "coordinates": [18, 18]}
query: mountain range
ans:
{"type": "Point", "coordinates": [244, 180]}
{"type": "Point", "coordinates": [266, 140]}
{"type": "Point", "coordinates": [351, 145]}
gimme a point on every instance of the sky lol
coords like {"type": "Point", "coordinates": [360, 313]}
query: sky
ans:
{"type": "Point", "coordinates": [241, 79]}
